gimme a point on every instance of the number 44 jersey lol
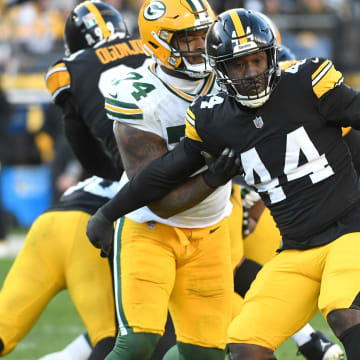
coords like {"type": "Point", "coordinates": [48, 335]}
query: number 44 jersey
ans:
{"type": "Point", "coordinates": [291, 149]}
{"type": "Point", "coordinates": [152, 101]}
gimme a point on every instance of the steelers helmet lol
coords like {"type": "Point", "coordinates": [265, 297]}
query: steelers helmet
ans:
{"type": "Point", "coordinates": [237, 33]}
{"type": "Point", "coordinates": [163, 22]}
{"type": "Point", "coordinates": [90, 24]}
{"type": "Point", "coordinates": [284, 53]}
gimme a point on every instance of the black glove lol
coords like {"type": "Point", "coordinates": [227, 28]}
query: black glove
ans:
{"type": "Point", "coordinates": [100, 232]}
{"type": "Point", "coordinates": [221, 169]}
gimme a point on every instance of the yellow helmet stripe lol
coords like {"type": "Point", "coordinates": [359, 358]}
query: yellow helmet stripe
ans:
{"type": "Point", "coordinates": [99, 19]}
{"type": "Point", "coordinates": [238, 26]}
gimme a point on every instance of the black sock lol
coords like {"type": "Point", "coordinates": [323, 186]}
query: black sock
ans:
{"type": "Point", "coordinates": [102, 348]}
{"type": "Point", "coordinates": [350, 339]}
{"type": "Point", "coordinates": [245, 275]}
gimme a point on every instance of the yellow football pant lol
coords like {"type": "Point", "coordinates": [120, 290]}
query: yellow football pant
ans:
{"type": "Point", "coordinates": [57, 255]}
{"type": "Point", "coordinates": [292, 286]}
{"type": "Point", "coordinates": [235, 226]}
{"type": "Point", "coordinates": [262, 243]}
{"type": "Point", "coordinates": [187, 270]}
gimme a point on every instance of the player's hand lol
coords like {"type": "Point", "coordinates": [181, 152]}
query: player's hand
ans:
{"type": "Point", "coordinates": [100, 232]}
{"type": "Point", "coordinates": [221, 169]}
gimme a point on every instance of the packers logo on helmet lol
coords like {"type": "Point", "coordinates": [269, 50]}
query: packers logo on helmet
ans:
{"type": "Point", "coordinates": [164, 23]}
{"type": "Point", "coordinates": [155, 10]}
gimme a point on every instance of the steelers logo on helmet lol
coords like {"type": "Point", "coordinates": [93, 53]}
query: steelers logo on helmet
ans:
{"type": "Point", "coordinates": [155, 10]}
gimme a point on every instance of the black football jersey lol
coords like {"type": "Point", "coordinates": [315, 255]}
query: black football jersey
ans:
{"type": "Point", "coordinates": [291, 148]}
{"type": "Point", "coordinates": [75, 79]}
{"type": "Point", "coordinates": [87, 196]}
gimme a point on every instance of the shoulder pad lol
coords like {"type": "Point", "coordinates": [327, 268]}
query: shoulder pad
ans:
{"type": "Point", "coordinates": [321, 72]}
{"type": "Point", "coordinates": [119, 102]}
{"type": "Point", "coordinates": [208, 101]}
{"type": "Point", "coordinates": [324, 76]}
{"type": "Point", "coordinates": [286, 64]}
{"type": "Point", "coordinates": [58, 80]}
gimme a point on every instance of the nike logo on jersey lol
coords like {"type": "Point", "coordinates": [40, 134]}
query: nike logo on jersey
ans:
{"type": "Point", "coordinates": [113, 95]}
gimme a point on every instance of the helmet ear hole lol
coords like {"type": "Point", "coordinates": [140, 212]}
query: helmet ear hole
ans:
{"type": "Point", "coordinates": [153, 45]}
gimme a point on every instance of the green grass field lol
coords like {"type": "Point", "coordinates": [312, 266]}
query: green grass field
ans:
{"type": "Point", "coordinates": [59, 324]}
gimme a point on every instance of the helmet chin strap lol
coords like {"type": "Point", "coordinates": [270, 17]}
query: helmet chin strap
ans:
{"type": "Point", "coordinates": [196, 71]}
{"type": "Point", "coordinates": [253, 103]}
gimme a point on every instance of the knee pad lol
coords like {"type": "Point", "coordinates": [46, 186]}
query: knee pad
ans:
{"type": "Point", "coordinates": [195, 352]}
{"type": "Point", "coordinates": [138, 346]}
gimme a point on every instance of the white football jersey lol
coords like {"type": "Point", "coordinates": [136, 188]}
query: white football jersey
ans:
{"type": "Point", "coordinates": [150, 100]}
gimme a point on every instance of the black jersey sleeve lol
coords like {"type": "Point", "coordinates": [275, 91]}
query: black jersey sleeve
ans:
{"type": "Point", "coordinates": [342, 106]}
{"type": "Point", "coordinates": [156, 179]}
{"type": "Point", "coordinates": [86, 147]}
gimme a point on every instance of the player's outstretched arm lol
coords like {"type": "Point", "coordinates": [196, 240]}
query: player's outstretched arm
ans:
{"type": "Point", "coordinates": [152, 183]}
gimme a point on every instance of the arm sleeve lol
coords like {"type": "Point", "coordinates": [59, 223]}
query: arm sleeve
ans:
{"type": "Point", "coordinates": [86, 147]}
{"type": "Point", "coordinates": [342, 106]}
{"type": "Point", "coordinates": [156, 179]}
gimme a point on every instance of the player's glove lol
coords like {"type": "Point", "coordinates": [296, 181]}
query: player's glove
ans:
{"type": "Point", "coordinates": [221, 169]}
{"type": "Point", "coordinates": [100, 232]}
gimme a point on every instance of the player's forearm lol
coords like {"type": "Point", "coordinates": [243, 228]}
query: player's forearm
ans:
{"type": "Point", "coordinates": [155, 181]}
{"type": "Point", "coordinates": [181, 198]}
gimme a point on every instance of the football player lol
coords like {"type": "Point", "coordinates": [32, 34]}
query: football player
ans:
{"type": "Point", "coordinates": [187, 264]}
{"type": "Point", "coordinates": [96, 40]}
{"type": "Point", "coordinates": [285, 128]}
{"type": "Point", "coordinates": [57, 255]}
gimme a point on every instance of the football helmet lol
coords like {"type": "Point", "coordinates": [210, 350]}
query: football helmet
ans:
{"type": "Point", "coordinates": [90, 24]}
{"type": "Point", "coordinates": [237, 33]}
{"type": "Point", "coordinates": [284, 53]}
{"type": "Point", "coordinates": [163, 22]}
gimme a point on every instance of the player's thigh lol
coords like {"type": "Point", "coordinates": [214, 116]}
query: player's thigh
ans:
{"type": "Point", "coordinates": [235, 226]}
{"type": "Point", "coordinates": [340, 285]}
{"type": "Point", "coordinates": [280, 301]}
{"type": "Point", "coordinates": [35, 277]}
{"type": "Point", "coordinates": [201, 301]}
{"type": "Point", "coordinates": [262, 243]}
{"type": "Point", "coordinates": [144, 274]}
{"type": "Point", "coordinates": [89, 282]}
{"type": "Point", "coordinates": [237, 305]}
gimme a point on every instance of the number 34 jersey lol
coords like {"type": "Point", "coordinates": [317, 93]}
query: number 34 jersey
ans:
{"type": "Point", "coordinates": [149, 100]}
{"type": "Point", "coordinates": [291, 148]}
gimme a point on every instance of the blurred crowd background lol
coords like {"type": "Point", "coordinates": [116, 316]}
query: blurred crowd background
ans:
{"type": "Point", "coordinates": [37, 164]}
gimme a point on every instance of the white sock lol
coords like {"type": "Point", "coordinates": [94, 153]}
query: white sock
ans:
{"type": "Point", "coordinates": [78, 349]}
{"type": "Point", "coordinates": [303, 335]}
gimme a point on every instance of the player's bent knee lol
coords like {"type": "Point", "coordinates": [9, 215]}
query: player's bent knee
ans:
{"type": "Point", "coordinates": [342, 319]}
{"type": "Point", "coordinates": [195, 352]}
{"type": "Point", "coordinates": [138, 346]}
{"type": "Point", "coordinates": [250, 352]}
